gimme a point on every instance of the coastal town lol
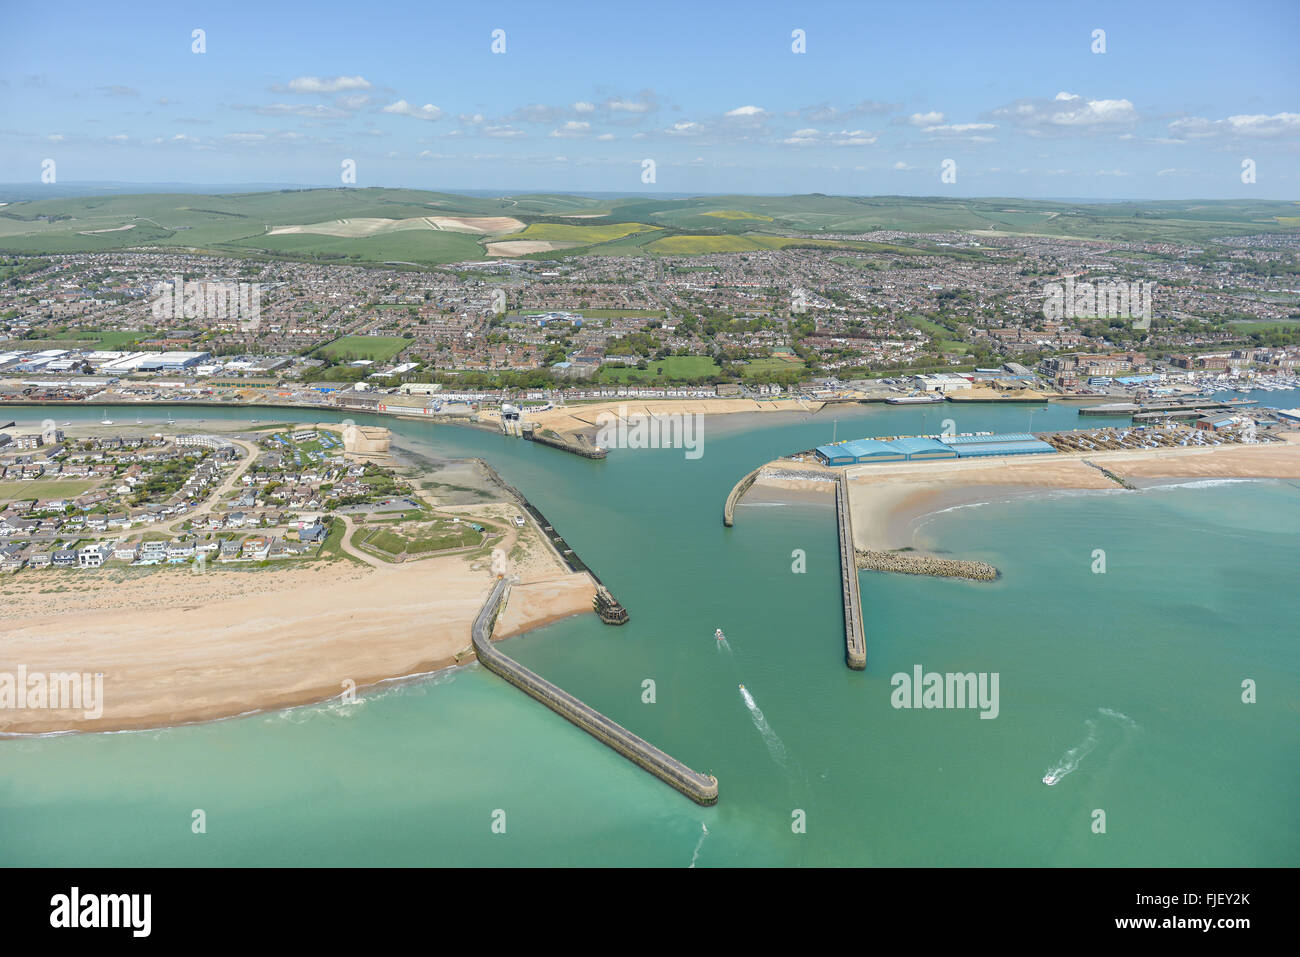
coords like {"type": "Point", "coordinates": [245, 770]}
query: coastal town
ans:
{"type": "Point", "coordinates": [161, 326]}
{"type": "Point", "coordinates": [138, 498]}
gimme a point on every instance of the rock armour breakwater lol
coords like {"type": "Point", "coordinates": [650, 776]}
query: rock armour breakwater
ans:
{"type": "Point", "coordinates": [905, 564]}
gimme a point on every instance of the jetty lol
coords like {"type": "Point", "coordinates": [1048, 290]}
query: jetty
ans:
{"type": "Point", "coordinates": [737, 492]}
{"type": "Point", "coordinates": [574, 444]}
{"type": "Point", "coordinates": [855, 644]}
{"type": "Point", "coordinates": [700, 788]}
{"type": "Point", "coordinates": [1191, 409]}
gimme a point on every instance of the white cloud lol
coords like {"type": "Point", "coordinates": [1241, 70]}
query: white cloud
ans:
{"type": "Point", "coordinates": [573, 128]}
{"type": "Point", "coordinates": [960, 128]}
{"type": "Point", "coordinates": [316, 84]}
{"type": "Point", "coordinates": [630, 106]}
{"type": "Point", "coordinates": [426, 112]}
{"type": "Point", "coordinates": [747, 111]}
{"type": "Point", "coordinates": [925, 119]}
{"type": "Point", "coordinates": [1254, 125]}
{"type": "Point", "coordinates": [1069, 111]}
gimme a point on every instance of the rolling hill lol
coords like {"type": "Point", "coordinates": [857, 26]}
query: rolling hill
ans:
{"type": "Point", "coordinates": [382, 225]}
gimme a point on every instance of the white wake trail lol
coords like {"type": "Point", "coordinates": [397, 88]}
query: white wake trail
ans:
{"type": "Point", "coordinates": [696, 856]}
{"type": "Point", "coordinates": [1070, 761]}
{"type": "Point", "coordinates": [775, 746]}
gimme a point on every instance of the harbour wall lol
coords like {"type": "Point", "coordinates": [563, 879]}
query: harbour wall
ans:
{"type": "Point", "coordinates": [700, 788]}
{"type": "Point", "coordinates": [855, 643]}
{"type": "Point", "coordinates": [737, 492]}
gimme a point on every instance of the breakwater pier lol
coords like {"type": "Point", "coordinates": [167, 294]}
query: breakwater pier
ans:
{"type": "Point", "coordinates": [700, 788]}
{"type": "Point", "coordinates": [737, 492]}
{"type": "Point", "coordinates": [855, 643]}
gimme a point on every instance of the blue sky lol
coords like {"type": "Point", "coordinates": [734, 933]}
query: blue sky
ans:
{"type": "Point", "coordinates": [712, 92]}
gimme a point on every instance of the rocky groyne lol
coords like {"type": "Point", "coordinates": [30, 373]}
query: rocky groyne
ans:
{"type": "Point", "coordinates": [905, 563]}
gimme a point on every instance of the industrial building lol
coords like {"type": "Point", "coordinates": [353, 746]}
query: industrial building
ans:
{"type": "Point", "coordinates": [1214, 423]}
{"type": "Point", "coordinates": [922, 449]}
{"type": "Point", "coordinates": [864, 451]}
{"type": "Point", "coordinates": [1013, 443]}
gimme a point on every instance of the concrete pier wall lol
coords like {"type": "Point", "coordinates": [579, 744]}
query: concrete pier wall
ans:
{"type": "Point", "coordinates": [737, 492]}
{"type": "Point", "coordinates": [855, 643]}
{"type": "Point", "coordinates": [700, 788]}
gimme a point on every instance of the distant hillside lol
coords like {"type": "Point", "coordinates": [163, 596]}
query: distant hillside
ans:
{"type": "Point", "coordinates": [418, 226]}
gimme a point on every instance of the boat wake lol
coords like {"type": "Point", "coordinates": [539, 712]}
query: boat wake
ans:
{"type": "Point", "coordinates": [696, 856]}
{"type": "Point", "coordinates": [775, 746]}
{"type": "Point", "coordinates": [1069, 762]}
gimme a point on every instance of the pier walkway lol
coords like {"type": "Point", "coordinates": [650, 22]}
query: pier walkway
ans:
{"type": "Point", "coordinates": [700, 788]}
{"type": "Point", "coordinates": [855, 643]}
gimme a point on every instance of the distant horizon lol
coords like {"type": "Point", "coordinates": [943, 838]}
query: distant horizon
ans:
{"type": "Point", "coordinates": [71, 190]}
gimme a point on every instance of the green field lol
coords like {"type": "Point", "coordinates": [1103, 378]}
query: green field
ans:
{"type": "Point", "coordinates": [418, 538]}
{"type": "Point", "coordinates": [942, 335]}
{"type": "Point", "coordinates": [108, 339]}
{"type": "Point", "coordinates": [737, 214]}
{"type": "Point", "coordinates": [44, 488]}
{"type": "Point", "coordinates": [377, 348]}
{"type": "Point", "coordinates": [671, 369]}
{"type": "Point", "coordinates": [1264, 325]}
{"type": "Point", "coordinates": [239, 223]}
{"type": "Point", "coordinates": [750, 242]}
{"type": "Point", "coordinates": [773, 364]}
{"type": "Point", "coordinates": [586, 235]}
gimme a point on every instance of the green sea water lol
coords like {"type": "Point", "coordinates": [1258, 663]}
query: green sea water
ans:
{"type": "Point", "coordinates": [1127, 683]}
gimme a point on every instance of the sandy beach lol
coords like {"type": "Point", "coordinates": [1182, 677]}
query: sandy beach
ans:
{"type": "Point", "coordinates": [889, 501]}
{"type": "Point", "coordinates": [176, 648]}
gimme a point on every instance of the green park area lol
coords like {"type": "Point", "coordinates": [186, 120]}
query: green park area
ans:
{"type": "Point", "coordinates": [352, 348]}
{"type": "Point", "coordinates": [399, 541]}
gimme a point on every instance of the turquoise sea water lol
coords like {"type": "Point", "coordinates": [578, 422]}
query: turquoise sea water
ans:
{"type": "Point", "coordinates": [1127, 683]}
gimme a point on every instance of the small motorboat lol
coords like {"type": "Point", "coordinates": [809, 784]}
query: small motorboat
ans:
{"type": "Point", "coordinates": [742, 687]}
{"type": "Point", "coordinates": [717, 633]}
{"type": "Point", "coordinates": [1049, 779]}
